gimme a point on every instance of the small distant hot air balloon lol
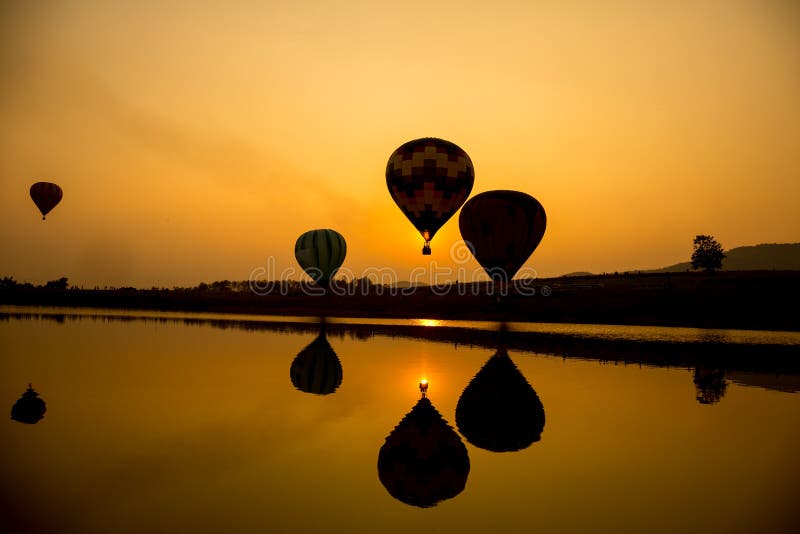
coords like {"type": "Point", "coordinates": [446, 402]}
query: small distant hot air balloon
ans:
{"type": "Point", "coordinates": [429, 179]}
{"type": "Point", "coordinates": [46, 196]}
{"type": "Point", "coordinates": [423, 460]}
{"type": "Point", "coordinates": [320, 253]}
{"type": "Point", "coordinates": [317, 369]}
{"type": "Point", "coordinates": [29, 408]}
{"type": "Point", "coordinates": [502, 228]}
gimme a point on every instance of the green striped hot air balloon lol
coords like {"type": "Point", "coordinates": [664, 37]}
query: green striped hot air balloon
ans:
{"type": "Point", "coordinates": [320, 253]}
{"type": "Point", "coordinates": [317, 369]}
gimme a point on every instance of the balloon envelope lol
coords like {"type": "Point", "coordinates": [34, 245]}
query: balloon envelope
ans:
{"type": "Point", "coordinates": [29, 408]}
{"type": "Point", "coordinates": [429, 179]}
{"type": "Point", "coordinates": [499, 410]}
{"type": "Point", "coordinates": [317, 369]}
{"type": "Point", "coordinates": [423, 461]}
{"type": "Point", "coordinates": [46, 196]}
{"type": "Point", "coordinates": [502, 228]}
{"type": "Point", "coordinates": [320, 253]}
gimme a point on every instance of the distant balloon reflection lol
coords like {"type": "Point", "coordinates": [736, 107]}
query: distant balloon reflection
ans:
{"type": "Point", "coordinates": [423, 460]}
{"type": "Point", "coordinates": [29, 408]}
{"type": "Point", "coordinates": [710, 383]}
{"type": "Point", "coordinates": [499, 410]}
{"type": "Point", "coordinates": [317, 369]}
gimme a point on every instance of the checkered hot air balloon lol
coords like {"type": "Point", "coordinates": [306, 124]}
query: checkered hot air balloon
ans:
{"type": "Point", "coordinates": [320, 253]}
{"type": "Point", "coordinates": [423, 461]}
{"type": "Point", "coordinates": [502, 228]}
{"type": "Point", "coordinates": [429, 179]}
{"type": "Point", "coordinates": [46, 196]}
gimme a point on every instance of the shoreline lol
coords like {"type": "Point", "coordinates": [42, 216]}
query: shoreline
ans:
{"type": "Point", "coordinates": [730, 351]}
{"type": "Point", "coordinates": [742, 300]}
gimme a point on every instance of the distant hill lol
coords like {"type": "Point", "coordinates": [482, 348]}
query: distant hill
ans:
{"type": "Point", "coordinates": [777, 256]}
{"type": "Point", "coordinates": [578, 273]}
{"type": "Point", "coordinates": [768, 256]}
{"type": "Point", "coordinates": [403, 284]}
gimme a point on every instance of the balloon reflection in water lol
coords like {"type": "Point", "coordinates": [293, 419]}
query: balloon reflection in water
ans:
{"type": "Point", "coordinates": [499, 411]}
{"type": "Point", "coordinates": [423, 460]}
{"type": "Point", "coordinates": [29, 408]}
{"type": "Point", "coordinates": [317, 369]}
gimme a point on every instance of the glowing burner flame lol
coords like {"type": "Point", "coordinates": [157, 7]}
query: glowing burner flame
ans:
{"type": "Point", "coordinates": [423, 386]}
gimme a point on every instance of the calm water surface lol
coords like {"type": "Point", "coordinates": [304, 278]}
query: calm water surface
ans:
{"type": "Point", "coordinates": [162, 426]}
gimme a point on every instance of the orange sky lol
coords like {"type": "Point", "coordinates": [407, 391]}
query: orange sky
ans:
{"type": "Point", "coordinates": [195, 139]}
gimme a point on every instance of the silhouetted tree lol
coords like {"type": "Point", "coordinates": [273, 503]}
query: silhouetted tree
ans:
{"type": "Point", "coordinates": [710, 384]}
{"type": "Point", "coordinates": [707, 253]}
{"type": "Point", "coordinates": [8, 282]}
{"type": "Point", "coordinates": [60, 284]}
{"type": "Point", "coordinates": [221, 286]}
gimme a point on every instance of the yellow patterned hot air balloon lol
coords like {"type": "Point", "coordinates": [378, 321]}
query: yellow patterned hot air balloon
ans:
{"type": "Point", "coordinates": [429, 179]}
{"type": "Point", "coordinates": [423, 461]}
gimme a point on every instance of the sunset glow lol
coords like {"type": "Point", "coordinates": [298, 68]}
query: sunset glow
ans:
{"type": "Point", "coordinates": [195, 140]}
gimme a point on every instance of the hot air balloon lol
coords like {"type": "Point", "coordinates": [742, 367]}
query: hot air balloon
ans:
{"type": "Point", "coordinates": [320, 253]}
{"type": "Point", "coordinates": [499, 410]}
{"type": "Point", "coordinates": [502, 228]}
{"type": "Point", "coordinates": [317, 369]}
{"type": "Point", "coordinates": [423, 460]}
{"type": "Point", "coordinates": [29, 408]}
{"type": "Point", "coordinates": [429, 179]}
{"type": "Point", "coordinates": [46, 196]}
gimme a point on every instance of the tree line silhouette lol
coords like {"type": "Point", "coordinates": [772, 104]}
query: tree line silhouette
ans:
{"type": "Point", "coordinates": [726, 299]}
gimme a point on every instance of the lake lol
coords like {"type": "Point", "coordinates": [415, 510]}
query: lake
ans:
{"type": "Point", "coordinates": [168, 422]}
